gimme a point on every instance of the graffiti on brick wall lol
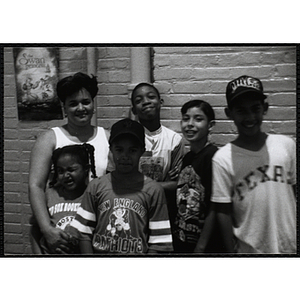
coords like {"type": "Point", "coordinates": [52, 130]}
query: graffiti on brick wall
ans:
{"type": "Point", "coordinates": [36, 73]}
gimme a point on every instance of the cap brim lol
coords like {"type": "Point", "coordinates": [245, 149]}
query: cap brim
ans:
{"type": "Point", "coordinates": [127, 133]}
{"type": "Point", "coordinates": [257, 94]}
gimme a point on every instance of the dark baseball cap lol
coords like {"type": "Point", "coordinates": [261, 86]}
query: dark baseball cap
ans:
{"type": "Point", "coordinates": [128, 126]}
{"type": "Point", "coordinates": [244, 85]}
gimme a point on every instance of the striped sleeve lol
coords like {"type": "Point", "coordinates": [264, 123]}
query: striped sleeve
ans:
{"type": "Point", "coordinates": [85, 219]}
{"type": "Point", "coordinates": [160, 237]}
{"type": "Point", "coordinates": [160, 232]}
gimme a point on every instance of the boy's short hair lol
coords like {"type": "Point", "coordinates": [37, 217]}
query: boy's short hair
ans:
{"type": "Point", "coordinates": [127, 127]}
{"type": "Point", "coordinates": [72, 84]}
{"type": "Point", "coordinates": [144, 84]}
{"type": "Point", "coordinates": [203, 105]}
{"type": "Point", "coordinates": [242, 86]}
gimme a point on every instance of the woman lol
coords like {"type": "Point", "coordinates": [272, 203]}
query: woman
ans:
{"type": "Point", "coordinates": [77, 94]}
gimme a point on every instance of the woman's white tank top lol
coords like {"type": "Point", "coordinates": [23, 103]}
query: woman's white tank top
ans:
{"type": "Point", "coordinates": [99, 142]}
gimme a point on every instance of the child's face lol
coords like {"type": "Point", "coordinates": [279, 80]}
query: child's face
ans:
{"type": "Point", "coordinates": [195, 125]}
{"type": "Point", "coordinates": [146, 103]}
{"type": "Point", "coordinates": [70, 174]}
{"type": "Point", "coordinates": [126, 153]}
{"type": "Point", "coordinates": [79, 107]}
{"type": "Point", "coordinates": [247, 115]}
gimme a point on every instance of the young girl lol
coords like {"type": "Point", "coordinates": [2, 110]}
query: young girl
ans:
{"type": "Point", "coordinates": [194, 183]}
{"type": "Point", "coordinates": [63, 197]}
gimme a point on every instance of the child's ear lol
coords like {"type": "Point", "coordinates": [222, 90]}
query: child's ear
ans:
{"type": "Point", "coordinates": [64, 110]}
{"type": "Point", "coordinates": [133, 110]}
{"type": "Point", "coordinates": [227, 112]}
{"type": "Point", "coordinates": [211, 124]}
{"type": "Point", "coordinates": [87, 168]}
{"type": "Point", "coordinates": [181, 122]}
{"type": "Point", "coordinates": [266, 106]}
{"type": "Point", "coordinates": [161, 101]}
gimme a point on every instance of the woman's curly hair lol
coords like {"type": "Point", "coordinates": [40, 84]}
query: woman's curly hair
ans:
{"type": "Point", "coordinates": [72, 84]}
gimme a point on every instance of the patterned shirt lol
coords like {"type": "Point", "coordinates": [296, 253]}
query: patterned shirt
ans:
{"type": "Point", "coordinates": [164, 151]}
{"type": "Point", "coordinates": [193, 197]}
{"type": "Point", "coordinates": [124, 219]}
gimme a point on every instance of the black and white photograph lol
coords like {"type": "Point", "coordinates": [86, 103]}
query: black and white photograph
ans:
{"type": "Point", "coordinates": [150, 152]}
{"type": "Point", "coordinates": [164, 150]}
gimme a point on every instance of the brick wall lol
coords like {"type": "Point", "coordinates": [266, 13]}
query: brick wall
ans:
{"type": "Point", "coordinates": [180, 73]}
{"type": "Point", "coordinates": [186, 73]}
{"type": "Point", "coordinates": [113, 74]}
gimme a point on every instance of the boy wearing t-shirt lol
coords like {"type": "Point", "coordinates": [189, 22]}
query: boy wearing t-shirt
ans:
{"type": "Point", "coordinates": [194, 227]}
{"type": "Point", "coordinates": [254, 178]}
{"type": "Point", "coordinates": [124, 212]}
{"type": "Point", "coordinates": [164, 147]}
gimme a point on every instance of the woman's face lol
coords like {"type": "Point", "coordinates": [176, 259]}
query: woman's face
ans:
{"type": "Point", "coordinates": [79, 108]}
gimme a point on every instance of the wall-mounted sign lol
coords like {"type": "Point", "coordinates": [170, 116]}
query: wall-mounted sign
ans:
{"type": "Point", "coordinates": [36, 71]}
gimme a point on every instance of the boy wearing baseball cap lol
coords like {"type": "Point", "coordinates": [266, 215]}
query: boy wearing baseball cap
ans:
{"type": "Point", "coordinates": [124, 212]}
{"type": "Point", "coordinates": [254, 178]}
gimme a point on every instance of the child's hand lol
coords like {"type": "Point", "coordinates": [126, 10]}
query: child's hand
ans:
{"type": "Point", "coordinates": [71, 247]}
{"type": "Point", "coordinates": [174, 174]}
{"type": "Point", "coordinates": [57, 239]}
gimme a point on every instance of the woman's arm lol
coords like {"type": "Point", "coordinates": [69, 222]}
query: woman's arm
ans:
{"type": "Point", "coordinates": [35, 237]}
{"type": "Point", "coordinates": [40, 163]}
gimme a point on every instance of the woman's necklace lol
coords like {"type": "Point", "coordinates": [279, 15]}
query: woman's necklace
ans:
{"type": "Point", "coordinates": [83, 134]}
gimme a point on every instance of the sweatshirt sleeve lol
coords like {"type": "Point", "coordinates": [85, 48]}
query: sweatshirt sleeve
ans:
{"type": "Point", "coordinates": [85, 219]}
{"type": "Point", "coordinates": [160, 237]}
